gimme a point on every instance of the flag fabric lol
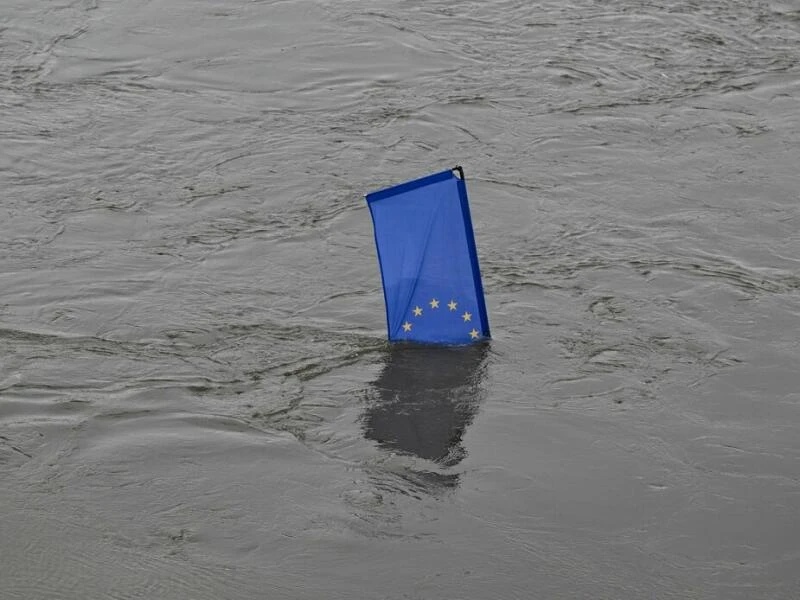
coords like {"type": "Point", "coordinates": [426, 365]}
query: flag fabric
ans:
{"type": "Point", "coordinates": [428, 261]}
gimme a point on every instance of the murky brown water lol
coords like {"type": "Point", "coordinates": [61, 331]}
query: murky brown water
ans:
{"type": "Point", "coordinates": [196, 400]}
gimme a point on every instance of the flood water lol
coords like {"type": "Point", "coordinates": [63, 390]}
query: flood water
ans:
{"type": "Point", "coordinates": [196, 396]}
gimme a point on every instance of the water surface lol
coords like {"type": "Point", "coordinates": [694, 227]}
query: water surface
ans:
{"type": "Point", "coordinates": [196, 399]}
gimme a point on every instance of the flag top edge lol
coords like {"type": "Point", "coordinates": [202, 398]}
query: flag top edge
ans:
{"type": "Point", "coordinates": [410, 185]}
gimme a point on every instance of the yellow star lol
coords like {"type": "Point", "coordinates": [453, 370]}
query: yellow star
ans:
{"type": "Point", "coordinates": [467, 317]}
{"type": "Point", "coordinates": [417, 311]}
{"type": "Point", "coordinates": [452, 305]}
{"type": "Point", "coordinates": [434, 303]}
{"type": "Point", "coordinates": [406, 326]}
{"type": "Point", "coordinates": [474, 334]}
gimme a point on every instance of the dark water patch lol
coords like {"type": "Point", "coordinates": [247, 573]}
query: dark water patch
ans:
{"type": "Point", "coordinates": [424, 400]}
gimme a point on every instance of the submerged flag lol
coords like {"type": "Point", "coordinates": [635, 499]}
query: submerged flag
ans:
{"type": "Point", "coordinates": [429, 265]}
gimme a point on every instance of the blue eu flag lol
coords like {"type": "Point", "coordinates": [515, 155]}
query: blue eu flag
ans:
{"type": "Point", "coordinates": [429, 265]}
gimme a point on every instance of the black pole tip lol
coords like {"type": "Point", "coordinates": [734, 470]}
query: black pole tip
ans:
{"type": "Point", "coordinates": [458, 171]}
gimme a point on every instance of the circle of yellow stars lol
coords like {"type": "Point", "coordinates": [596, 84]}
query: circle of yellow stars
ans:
{"type": "Point", "coordinates": [452, 306]}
